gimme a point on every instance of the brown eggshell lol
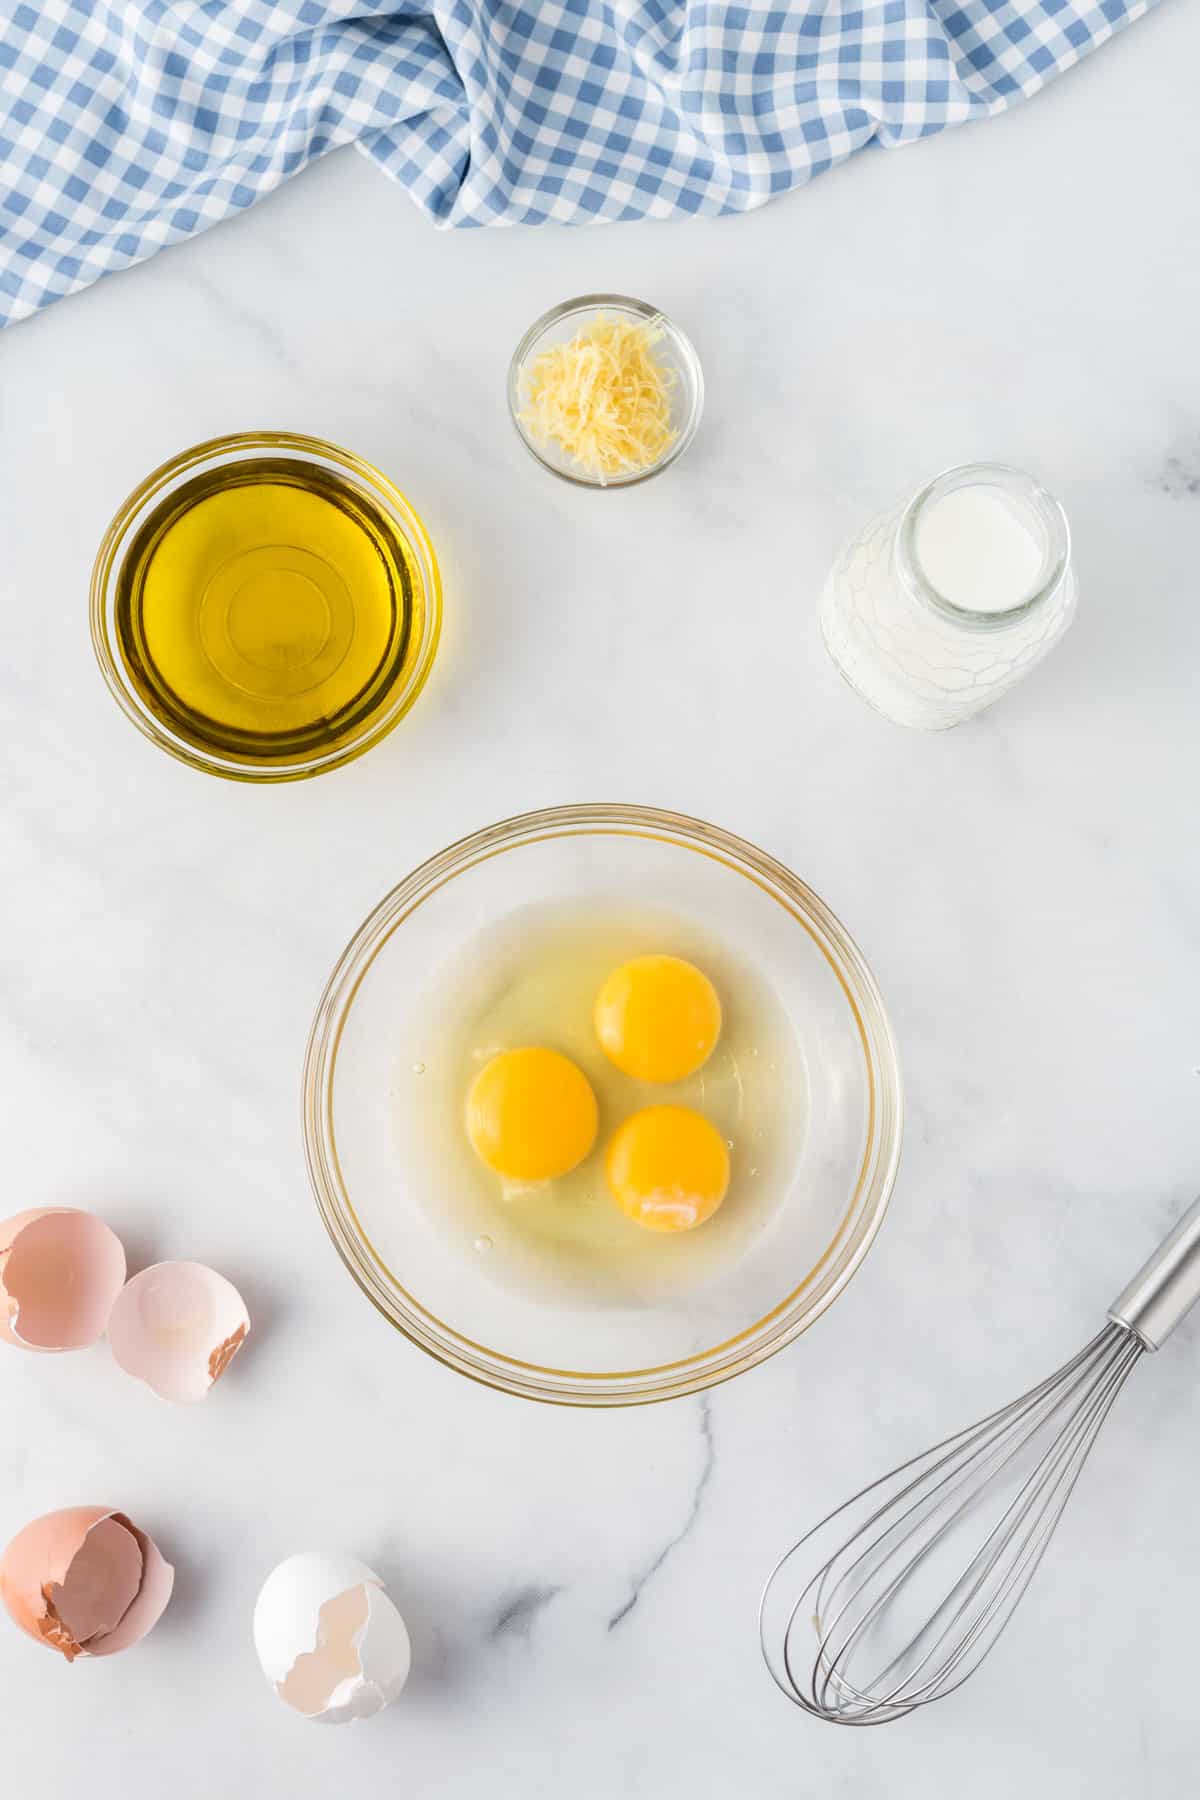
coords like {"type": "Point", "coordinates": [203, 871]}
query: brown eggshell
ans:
{"type": "Point", "coordinates": [150, 1603]}
{"type": "Point", "coordinates": [35, 1568]}
{"type": "Point", "coordinates": [61, 1269]}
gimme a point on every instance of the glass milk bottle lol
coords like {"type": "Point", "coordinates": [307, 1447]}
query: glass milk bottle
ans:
{"type": "Point", "coordinates": [936, 609]}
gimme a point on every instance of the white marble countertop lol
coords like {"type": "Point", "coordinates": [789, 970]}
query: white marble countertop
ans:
{"type": "Point", "coordinates": [1027, 889]}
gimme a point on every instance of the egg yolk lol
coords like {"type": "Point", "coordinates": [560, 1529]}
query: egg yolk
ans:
{"type": "Point", "coordinates": [531, 1114]}
{"type": "Point", "coordinates": [658, 1018]}
{"type": "Point", "coordinates": [667, 1168]}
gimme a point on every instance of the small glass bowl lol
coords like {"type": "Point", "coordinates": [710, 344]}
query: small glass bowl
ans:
{"type": "Point", "coordinates": [674, 351]}
{"type": "Point", "coordinates": [365, 1177]}
{"type": "Point", "coordinates": [218, 453]}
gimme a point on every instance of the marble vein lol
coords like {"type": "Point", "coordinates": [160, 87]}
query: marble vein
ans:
{"type": "Point", "coordinates": [1179, 476]}
{"type": "Point", "coordinates": [643, 1579]}
{"type": "Point", "coordinates": [518, 1615]}
{"type": "Point", "coordinates": [262, 332]}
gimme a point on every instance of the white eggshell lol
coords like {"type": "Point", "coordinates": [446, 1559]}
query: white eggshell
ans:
{"type": "Point", "coordinates": [384, 1649]}
{"type": "Point", "coordinates": [291, 1597]}
{"type": "Point", "coordinates": [177, 1327]}
{"type": "Point", "coordinates": [329, 1638]}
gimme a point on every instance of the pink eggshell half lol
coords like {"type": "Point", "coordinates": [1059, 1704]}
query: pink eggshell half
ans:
{"type": "Point", "coordinates": [61, 1269]}
{"type": "Point", "coordinates": [177, 1326]}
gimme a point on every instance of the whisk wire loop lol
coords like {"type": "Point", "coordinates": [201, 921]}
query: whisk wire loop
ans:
{"type": "Point", "coordinates": [1022, 1537]}
{"type": "Point", "coordinates": [870, 1666]}
{"type": "Point", "coordinates": [990, 1438]}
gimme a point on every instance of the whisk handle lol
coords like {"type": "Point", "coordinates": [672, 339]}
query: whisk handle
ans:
{"type": "Point", "coordinates": [1164, 1288]}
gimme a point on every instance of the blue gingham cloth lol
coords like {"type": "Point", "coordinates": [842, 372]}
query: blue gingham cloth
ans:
{"type": "Point", "coordinates": [128, 124]}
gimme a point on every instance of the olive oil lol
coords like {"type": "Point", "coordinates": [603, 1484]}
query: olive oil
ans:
{"type": "Point", "coordinates": [266, 609]}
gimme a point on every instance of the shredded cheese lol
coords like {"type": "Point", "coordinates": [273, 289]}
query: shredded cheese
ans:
{"type": "Point", "coordinates": [604, 398]}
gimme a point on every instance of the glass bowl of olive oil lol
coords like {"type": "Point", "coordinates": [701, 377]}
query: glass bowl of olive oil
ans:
{"type": "Point", "coordinates": [266, 606]}
{"type": "Point", "coordinates": [544, 1288]}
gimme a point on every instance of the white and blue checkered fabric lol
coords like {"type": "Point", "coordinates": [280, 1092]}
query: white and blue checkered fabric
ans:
{"type": "Point", "coordinates": [128, 124]}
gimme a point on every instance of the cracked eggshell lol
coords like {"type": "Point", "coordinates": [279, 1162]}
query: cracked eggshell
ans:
{"type": "Point", "coordinates": [177, 1326]}
{"type": "Point", "coordinates": [329, 1638]}
{"type": "Point", "coordinates": [85, 1581]}
{"type": "Point", "coordinates": [60, 1271]}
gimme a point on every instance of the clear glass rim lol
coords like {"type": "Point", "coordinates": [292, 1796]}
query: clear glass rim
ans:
{"type": "Point", "coordinates": [809, 1295]}
{"type": "Point", "coordinates": [212, 453]}
{"type": "Point", "coordinates": [639, 309]}
{"type": "Point", "coordinates": [1049, 510]}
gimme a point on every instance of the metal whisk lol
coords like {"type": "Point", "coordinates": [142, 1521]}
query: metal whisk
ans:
{"type": "Point", "coordinates": [923, 1570]}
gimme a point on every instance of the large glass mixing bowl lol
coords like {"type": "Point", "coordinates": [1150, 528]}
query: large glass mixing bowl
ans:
{"type": "Point", "coordinates": [619, 1355]}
